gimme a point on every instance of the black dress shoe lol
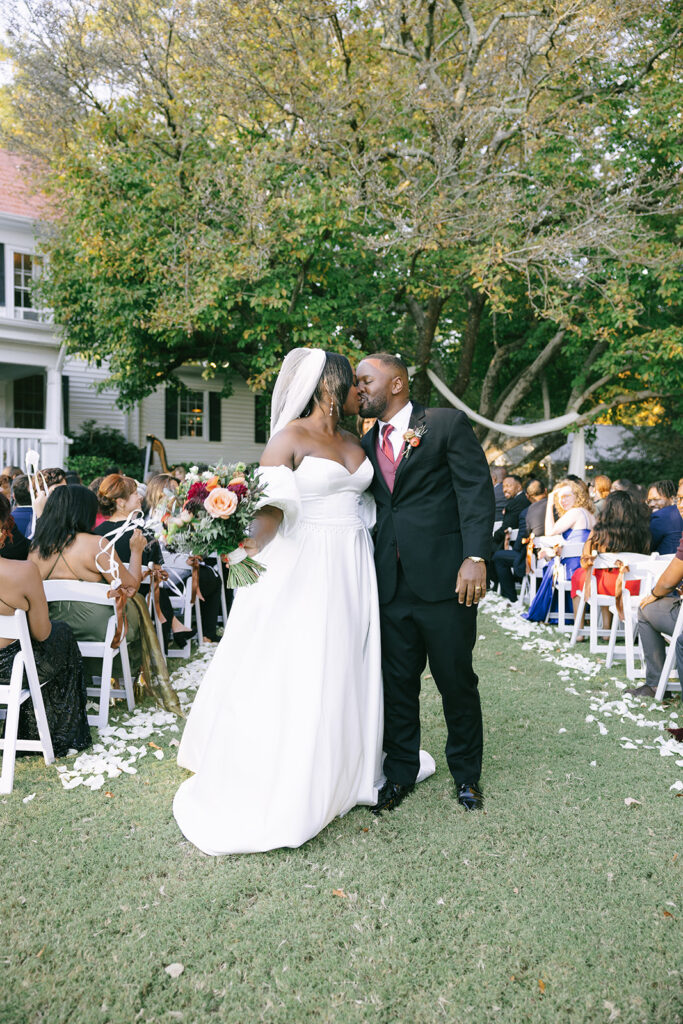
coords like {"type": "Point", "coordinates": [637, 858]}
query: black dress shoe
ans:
{"type": "Point", "coordinates": [470, 796]}
{"type": "Point", "coordinates": [390, 796]}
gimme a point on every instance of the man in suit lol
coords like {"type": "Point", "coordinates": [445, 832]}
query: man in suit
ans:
{"type": "Point", "coordinates": [435, 511]}
{"type": "Point", "coordinates": [498, 474]}
{"type": "Point", "coordinates": [515, 503]}
{"type": "Point", "coordinates": [510, 565]}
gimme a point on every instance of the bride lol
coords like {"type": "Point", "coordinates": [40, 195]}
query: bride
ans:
{"type": "Point", "coordinates": [286, 730]}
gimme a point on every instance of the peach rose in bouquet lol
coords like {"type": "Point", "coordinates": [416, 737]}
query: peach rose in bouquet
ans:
{"type": "Point", "coordinates": [221, 503]}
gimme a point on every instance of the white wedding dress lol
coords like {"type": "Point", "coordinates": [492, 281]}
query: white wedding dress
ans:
{"type": "Point", "coordinates": [286, 729]}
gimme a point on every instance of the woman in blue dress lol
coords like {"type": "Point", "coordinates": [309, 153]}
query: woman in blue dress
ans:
{"type": "Point", "coordinates": [575, 509]}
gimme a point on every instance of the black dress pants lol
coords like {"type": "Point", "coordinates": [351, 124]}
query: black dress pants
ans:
{"type": "Point", "coordinates": [505, 565]}
{"type": "Point", "coordinates": [445, 632]}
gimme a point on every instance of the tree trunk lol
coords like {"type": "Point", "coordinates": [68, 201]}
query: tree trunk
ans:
{"type": "Point", "coordinates": [475, 308]}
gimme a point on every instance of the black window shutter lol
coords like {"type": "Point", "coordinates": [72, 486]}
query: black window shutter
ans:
{"type": "Point", "coordinates": [214, 416]}
{"type": "Point", "coordinates": [171, 429]}
{"type": "Point", "coordinates": [65, 403]}
{"type": "Point", "coordinates": [2, 273]}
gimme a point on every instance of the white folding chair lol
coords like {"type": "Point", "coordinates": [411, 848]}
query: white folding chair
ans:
{"type": "Point", "coordinates": [13, 695]}
{"type": "Point", "coordinates": [595, 630]}
{"type": "Point", "coordinates": [96, 593]}
{"type": "Point", "coordinates": [563, 586]}
{"type": "Point", "coordinates": [665, 680]}
{"type": "Point", "coordinates": [180, 593]}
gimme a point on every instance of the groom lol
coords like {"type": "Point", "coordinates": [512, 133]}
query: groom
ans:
{"type": "Point", "coordinates": [435, 513]}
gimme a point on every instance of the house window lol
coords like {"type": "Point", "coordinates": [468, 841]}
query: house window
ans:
{"type": "Point", "coordinates": [26, 271]}
{"type": "Point", "coordinates": [2, 273]}
{"type": "Point", "coordinates": [191, 414]}
{"type": "Point", "coordinates": [29, 402]}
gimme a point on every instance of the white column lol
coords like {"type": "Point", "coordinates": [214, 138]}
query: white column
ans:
{"type": "Point", "coordinates": [577, 457]}
{"type": "Point", "coordinates": [53, 452]}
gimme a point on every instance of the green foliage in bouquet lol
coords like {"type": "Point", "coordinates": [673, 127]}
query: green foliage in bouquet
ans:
{"type": "Point", "coordinates": [218, 507]}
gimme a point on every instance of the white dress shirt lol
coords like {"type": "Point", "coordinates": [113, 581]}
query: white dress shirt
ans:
{"type": "Point", "coordinates": [400, 422]}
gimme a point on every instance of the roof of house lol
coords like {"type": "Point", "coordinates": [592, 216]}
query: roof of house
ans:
{"type": "Point", "coordinates": [18, 195]}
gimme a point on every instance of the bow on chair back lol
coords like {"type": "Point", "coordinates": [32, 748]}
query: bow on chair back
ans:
{"type": "Point", "coordinates": [588, 563]}
{"type": "Point", "coordinates": [108, 565]}
{"type": "Point", "coordinates": [195, 561]}
{"type": "Point", "coordinates": [156, 575]}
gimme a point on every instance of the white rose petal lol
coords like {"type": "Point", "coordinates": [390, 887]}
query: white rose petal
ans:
{"type": "Point", "coordinates": [175, 970]}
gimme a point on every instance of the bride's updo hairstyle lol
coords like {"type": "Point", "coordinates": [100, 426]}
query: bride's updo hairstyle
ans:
{"type": "Point", "coordinates": [336, 379]}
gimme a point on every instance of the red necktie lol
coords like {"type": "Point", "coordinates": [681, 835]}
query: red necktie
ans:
{"type": "Point", "coordinates": [387, 447]}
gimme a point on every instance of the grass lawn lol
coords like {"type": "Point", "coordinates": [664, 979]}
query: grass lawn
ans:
{"type": "Point", "coordinates": [560, 903]}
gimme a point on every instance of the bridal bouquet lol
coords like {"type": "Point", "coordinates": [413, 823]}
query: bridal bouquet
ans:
{"type": "Point", "coordinates": [218, 507]}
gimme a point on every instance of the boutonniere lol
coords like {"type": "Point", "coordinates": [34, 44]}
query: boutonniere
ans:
{"type": "Point", "coordinates": [412, 439]}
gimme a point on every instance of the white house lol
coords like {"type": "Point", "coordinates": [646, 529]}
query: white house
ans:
{"type": "Point", "coordinates": [44, 397]}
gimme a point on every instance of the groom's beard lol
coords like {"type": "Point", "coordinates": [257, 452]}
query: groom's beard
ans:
{"type": "Point", "coordinates": [370, 409]}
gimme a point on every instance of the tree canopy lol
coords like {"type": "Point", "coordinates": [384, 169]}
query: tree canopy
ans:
{"type": "Point", "coordinates": [491, 190]}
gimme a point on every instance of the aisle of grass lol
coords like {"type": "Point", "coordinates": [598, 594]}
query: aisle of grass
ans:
{"type": "Point", "coordinates": [558, 904]}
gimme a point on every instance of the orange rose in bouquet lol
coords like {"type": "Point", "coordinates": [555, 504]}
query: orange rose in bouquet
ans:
{"type": "Point", "coordinates": [221, 503]}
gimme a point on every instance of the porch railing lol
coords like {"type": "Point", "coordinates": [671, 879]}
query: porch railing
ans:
{"type": "Point", "coordinates": [15, 442]}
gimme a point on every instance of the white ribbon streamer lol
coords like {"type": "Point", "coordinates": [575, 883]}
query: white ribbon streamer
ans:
{"type": "Point", "coordinates": [133, 521]}
{"type": "Point", "coordinates": [512, 430]}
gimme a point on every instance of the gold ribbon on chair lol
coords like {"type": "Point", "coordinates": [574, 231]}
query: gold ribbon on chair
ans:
{"type": "Point", "coordinates": [619, 588]}
{"type": "Point", "coordinates": [557, 562]}
{"type": "Point", "coordinates": [120, 595]}
{"type": "Point", "coordinates": [156, 574]}
{"type": "Point", "coordinates": [195, 561]}
{"type": "Point", "coordinates": [529, 541]}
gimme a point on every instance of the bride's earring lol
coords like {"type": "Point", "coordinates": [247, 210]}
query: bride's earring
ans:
{"type": "Point", "coordinates": [331, 408]}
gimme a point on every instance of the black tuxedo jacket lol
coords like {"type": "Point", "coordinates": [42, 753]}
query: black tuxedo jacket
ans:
{"type": "Point", "coordinates": [441, 509]}
{"type": "Point", "coordinates": [511, 514]}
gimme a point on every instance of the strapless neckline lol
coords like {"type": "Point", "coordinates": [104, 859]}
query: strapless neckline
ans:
{"type": "Point", "coordinates": [321, 458]}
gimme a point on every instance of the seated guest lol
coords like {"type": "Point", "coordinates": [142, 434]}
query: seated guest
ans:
{"type": "Point", "coordinates": [665, 519]}
{"type": "Point", "coordinates": [599, 490]}
{"type": "Point", "coordinates": [159, 502]}
{"type": "Point", "coordinates": [58, 660]}
{"type": "Point", "coordinates": [55, 477]}
{"type": "Point", "coordinates": [498, 474]}
{"type": "Point", "coordinates": [72, 478]}
{"type": "Point", "coordinates": [64, 547]}
{"type": "Point", "coordinates": [118, 497]}
{"type": "Point", "coordinates": [657, 614]}
{"type": "Point", "coordinates": [626, 485]}
{"type": "Point", "coordinates": [510, 565]}
{"type": "Point", "coordinates": [179, 473]}
{"type": "Point", "coordinates": [515, 501]}
{"type": "Point", "coordinates": [11, 471]}
{"type": "Point", "coordinates": [6, 485]}
{"type": "Point", "coordinates": [535, 514]}
{"type": "Point", "coordinates": [619, 528]}
{"type": "Point", "coordinates": [576, 519]}
{"type": "Point", "coordinates": [22, 510]}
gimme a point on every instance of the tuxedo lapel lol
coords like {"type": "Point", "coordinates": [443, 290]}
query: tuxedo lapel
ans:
{"type": "Point", "coordinates": [417, 419]}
